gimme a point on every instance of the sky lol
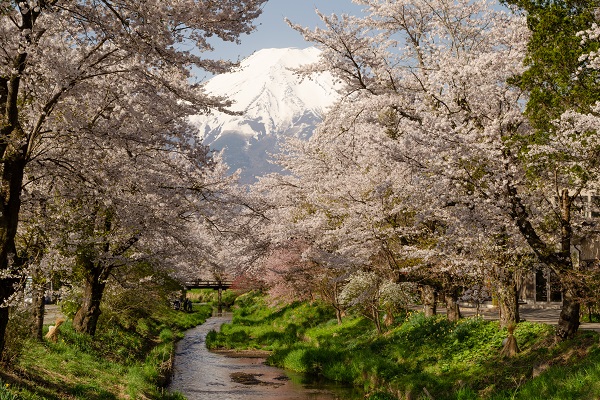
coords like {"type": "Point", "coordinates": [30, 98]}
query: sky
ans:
{"type": "Point", "coordinates": [272, 31]}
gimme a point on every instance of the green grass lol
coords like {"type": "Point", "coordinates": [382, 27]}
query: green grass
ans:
{"type": "Point", "coordinates": [210, 296]}
{"type": "Point", "coordinates": [126, 359]}
{"type": "Point", "coordinates": [449, 360]}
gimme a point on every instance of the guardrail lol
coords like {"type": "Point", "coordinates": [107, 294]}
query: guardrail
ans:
{"type": "Point", "coordinates": [201, 284]}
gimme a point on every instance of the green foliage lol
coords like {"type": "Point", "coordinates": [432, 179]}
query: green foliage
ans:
{"type": "Point", "coordinates": [20, 327]}
{"type": "Point", "coordinates": [127, 357]}
{"type": "Point", "coordinates": [382, 396]}
{"type": "Point", "coordinates": [574, 375]}
{"type": "Point", "coordinates": [452, 360]}
{"type": "Point", "coordinates": [257, 326]}
{"type": "Point", "coordinates": [553, 59]}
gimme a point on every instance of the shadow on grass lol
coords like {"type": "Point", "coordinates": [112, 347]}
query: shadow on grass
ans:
{"type": "Point", "coordinates": [28, 382]}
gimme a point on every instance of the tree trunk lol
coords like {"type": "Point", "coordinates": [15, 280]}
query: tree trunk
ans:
{"type": "Point", "coordinates": [10, 206]}
{"type": "Point", "coordinates": [38, 307]}
{"type": "Point", "coordinates": [376, 318]}
{"type": "Point", "coordinates": [86, 318]}
{"type": "Point", "coordinates": [509, 309]}
{"type": "Point", "coordinates": [14, 147]}
{"type": "Point", "coordinates": [508, 298]}
{"type": "Point", "coordinates": [452, 308]}
{"type": "Point", "coordinates": [338, 315]}
{"type": "Point", "coordinates": [219, 300]}
{"type": "Point", "coordinates": [4, 314]}
{"type": "Point", "coordinates": [429, 299]}
{"type": "Point", "coordinates": [568, 322]}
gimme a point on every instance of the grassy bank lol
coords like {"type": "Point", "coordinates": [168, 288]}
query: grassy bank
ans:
{"type": "Point", "coordinates": [417, 357]}
{"type": "Point", "coordinates": [129, 358]}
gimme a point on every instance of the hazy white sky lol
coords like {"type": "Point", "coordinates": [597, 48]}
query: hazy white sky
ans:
{"type": "Point", "coordinates": [272, 31]}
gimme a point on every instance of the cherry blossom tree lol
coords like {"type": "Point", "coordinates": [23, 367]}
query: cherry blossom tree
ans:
{"type": "Point", "coordinates": [122, 199]}
{"type": "Point", "coordinates": [368, 293]}
{"type": "Point", "coordinates": [442, 74]}
{"type": "Point", "coordinates": [429, 87]}
{"type": "Point", "coordinates": [52, 50]}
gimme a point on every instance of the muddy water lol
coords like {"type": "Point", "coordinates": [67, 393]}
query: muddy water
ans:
{"type": "Point", "coordinates": [200, 374]}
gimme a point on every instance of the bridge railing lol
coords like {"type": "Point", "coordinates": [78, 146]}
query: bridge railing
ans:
{"type": "Point", "coordinates": [207, 284]}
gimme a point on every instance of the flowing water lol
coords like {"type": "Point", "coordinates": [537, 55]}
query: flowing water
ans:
{"type": "Point", "coordinates": [201, 375]}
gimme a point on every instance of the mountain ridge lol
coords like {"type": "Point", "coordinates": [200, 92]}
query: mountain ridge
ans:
{"type": "Point", "coordinates": [275, 104]}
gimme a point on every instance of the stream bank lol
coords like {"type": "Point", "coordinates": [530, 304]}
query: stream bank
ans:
{"type": "Point", "coordinates": [200, 374]}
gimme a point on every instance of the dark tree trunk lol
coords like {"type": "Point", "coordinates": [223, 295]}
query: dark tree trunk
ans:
{"type": "Point", "coordinates": [429, 299]}
{"type": "Point", "coordinates": [14, 145]}
{"type": "Point", "coordinates": [219, 300]}
{"type": "Point", "coordinates": [561, 262]}
{"type": "Point", "coordinates": [86, 318]}
{"type": "Point", "coordinates": [568, 321]}
{"type": "Point", "coordinates": [4, 314]}
{"type": "Point", "coordinates": [452, 308]}
{"type": "Point", "coordinates": [10, 206]}
{"type": "Point", "coordinates": [376, 318]}
{"type": "Point", "coordinates": [39, 308]}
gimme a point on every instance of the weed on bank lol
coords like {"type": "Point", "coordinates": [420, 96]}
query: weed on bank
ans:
{"type": "Point", "coordinates": [417, 357]}
{"type": "Point", "coordinates": [128, 358]}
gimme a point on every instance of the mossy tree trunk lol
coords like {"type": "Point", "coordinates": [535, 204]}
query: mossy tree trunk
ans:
{"type": "Point", "coordinates": [452, 307]}
{"type": "Point", "coordinates": [429, 299]}
{"type": "Point", "coordinates": [507, 295]}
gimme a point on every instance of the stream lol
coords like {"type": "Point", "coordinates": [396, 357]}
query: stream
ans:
{"type": "Point", "coordinates": [201, 375]}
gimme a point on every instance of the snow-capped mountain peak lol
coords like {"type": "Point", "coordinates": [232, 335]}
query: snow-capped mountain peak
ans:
{"type": "Point", "coordinates": [275, 103]}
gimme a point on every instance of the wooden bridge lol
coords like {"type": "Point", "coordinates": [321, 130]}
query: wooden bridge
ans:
{"type": "Point", "coordinates": [219, 286]}
{"type": "Point", "coordinates": [204, 284]}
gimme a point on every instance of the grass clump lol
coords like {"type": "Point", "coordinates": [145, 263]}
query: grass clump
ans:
{"type": "Point", "coordinates": [419, 356]}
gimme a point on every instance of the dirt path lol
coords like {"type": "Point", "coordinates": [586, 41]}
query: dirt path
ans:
{"type": "Point", "coordinates": [52, 312]}
{"type": "Point", "coordinates": [528, 313]}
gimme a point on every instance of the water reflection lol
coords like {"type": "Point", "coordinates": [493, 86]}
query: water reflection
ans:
{"type": "Point", "coordinates": [200, 374]}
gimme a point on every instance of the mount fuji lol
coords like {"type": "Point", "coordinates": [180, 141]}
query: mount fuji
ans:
{"type": "Point", "coordinates": [274, 102]}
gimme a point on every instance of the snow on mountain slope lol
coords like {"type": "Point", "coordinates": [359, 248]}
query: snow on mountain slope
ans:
{"type": "Point", "coordinates": [275, 103]}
